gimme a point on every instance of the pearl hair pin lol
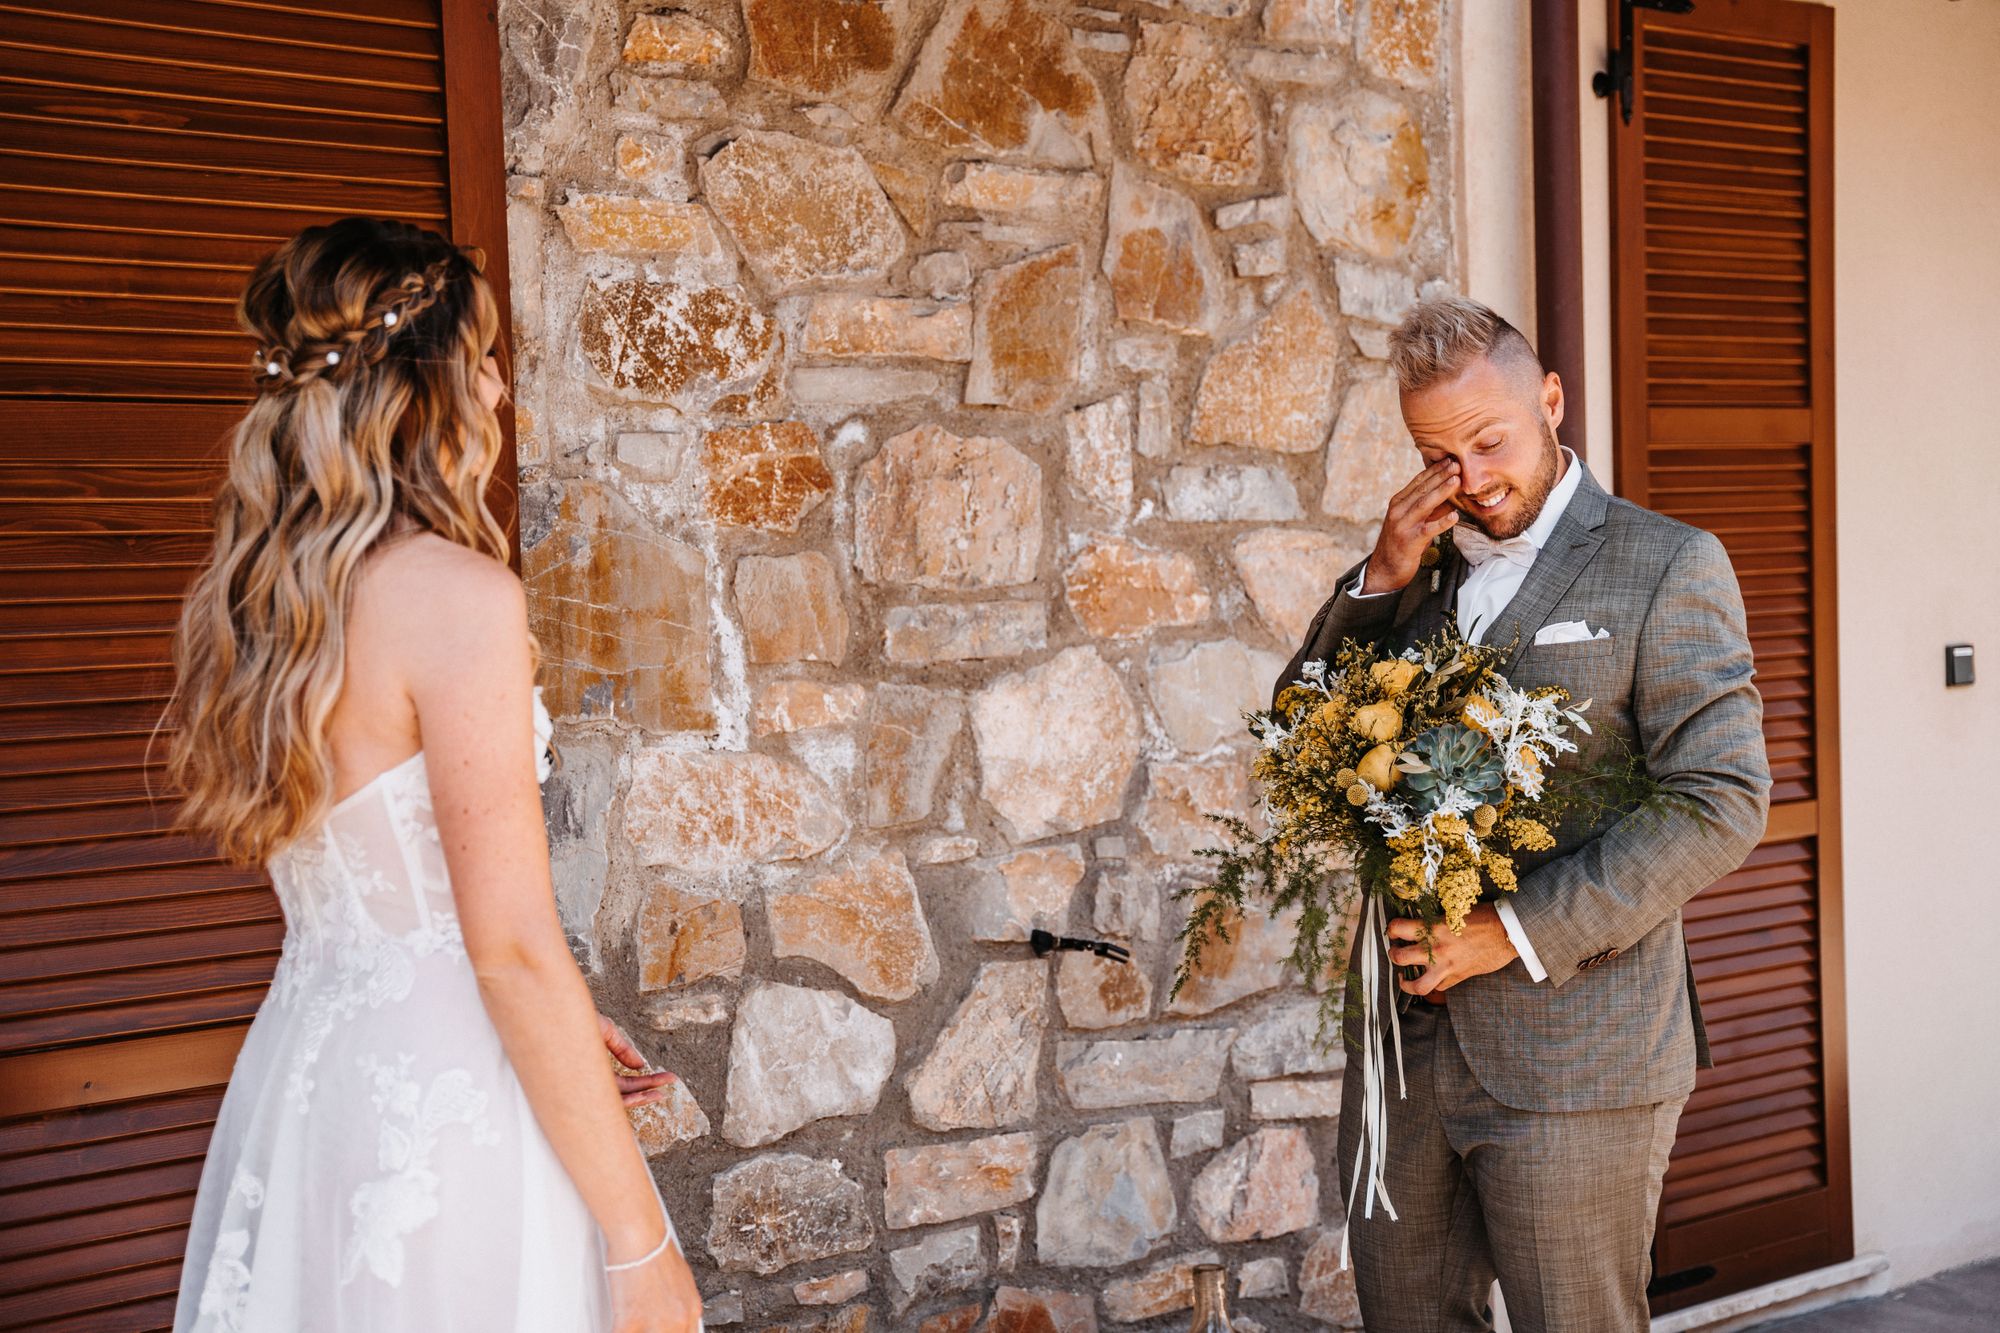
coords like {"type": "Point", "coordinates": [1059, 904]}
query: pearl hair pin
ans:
{"type": "Point", "coordinates": [333, 358]}
{"type": "Point", "coordinates": [389, 320]}
{"type": "Point", "coordinates": [271, 369]}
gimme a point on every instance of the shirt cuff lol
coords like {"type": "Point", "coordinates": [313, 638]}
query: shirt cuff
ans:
{"type": "Point", "coordinates": [1520, 941]}
{"type": "Point", "coordinates": [1360, 582]}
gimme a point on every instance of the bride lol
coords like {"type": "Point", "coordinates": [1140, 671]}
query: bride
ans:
{"type": "Point", "coordinates": [422, 1131]}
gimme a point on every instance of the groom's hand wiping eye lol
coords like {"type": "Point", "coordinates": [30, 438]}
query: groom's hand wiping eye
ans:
{"type": "Point", "coordinates": [1417, 514]}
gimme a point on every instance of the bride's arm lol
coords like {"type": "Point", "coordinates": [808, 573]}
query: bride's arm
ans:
{"type": "Point", "coordinates": [469, 672]}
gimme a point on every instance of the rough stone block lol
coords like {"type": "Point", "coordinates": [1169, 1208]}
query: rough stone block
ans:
{"type": "Point", "coordinates": [1200, 1132]}
{"type": "Point", "coordinates": [1201, 692]}
{"type": "Point", "coordinates": [803, 705]}
{"type": "Point", "coordinates": [910, 735]}
{"type": "Point", "coordinates": [782, 1209]}
{"type": "Point", "coordinates": [937, 510]}
{"type": "Point", "coordinates": [712, 811]}
{"type": "Point", "coordinates": [964, 631]}
{"type": "Point", "coordinates": [1098, 993]}
{"type": "Point", "coordinates": [620, 610]}
{"type": "Point", "coordinates": [1106, 1199]}
{"type": "Point", "coordinates": [670, 343]}
{"type": "Point", "coordinates": [802, 212]}
{"type": "Point", "coordinates": [1359, 171]}
{"type": "Point", "coordinates": [684, 939]}
{"type": "Point", "coordinates": [1184, 1066]}
{"type": "Point", "coordinates": [947, 1181]}
{"type": "Point", "coordinates": [1230, 493]}
{"type": "Point", "coordinates": [1119, 589]}
{"type": "Point", "coordinates": [1027, 332]}
{"type": "Point", "coordinates": [846, 325]}
{"type": "Point", "coordinates": [1159, 1290]}
{"type": "Point", "coordinates": [1021, 892]}
{"type": "Point", "coordinates": [1295, 1099]}
{"type": "Point", "coordinates": [1057, 744]}
{"type": "Point", "coordinates": [1371, 456]}
{"type": "Point", "coordinates": [1272, 389]}
{"type": "Point", "coordinates": [797, 1056]}
{"type": "Point", "coordinates": [654, 228]}
{"type": "Point", "coordinates": [1099, 470]}
{"type": "Point", "coordinates": [677, 39]}
{"type": "Point", "coordinates": [768, 476]}
{"type": "Point", "coordinates": [864, 920]}
{"type": "Point", "coordinates": [791, 608]}
{"type": "Point", "coordinates": [1190, 115]}
{"type": "Point", "coordinates": [1289, 574]}
{"type": "Point", "coordinates": [981, 1071]}
{"type": "Point", "coordinates": [1000, 78]}
{"type": "Point", "coordinates": [1265, 1185]}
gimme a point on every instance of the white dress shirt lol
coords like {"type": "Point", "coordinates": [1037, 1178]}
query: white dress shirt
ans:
{"type": "Point", "coordinates": [1501, 568]}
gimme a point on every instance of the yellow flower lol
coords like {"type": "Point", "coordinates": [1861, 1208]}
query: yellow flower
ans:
{"type": "Point", "coordinates": [1378, 722]}
{"type": "Point", "coordinates": [1394, 675]}
{"type": "Point", "coordinates": [1357, 795]}
{"type": "Point", "coordinates": [1458, 891]}
{"type": "Point", "coordinates": [1530, 761]}
{"type": "Point", "coordinates": [1527, 835]}
{"type": "Point", "coordinates": [1450, 829]}
{"type": "Point", "coordinates": [1483, 819]}
{"type": "Point", "coordinates": [1479, 712]}
{"type": "Point", "coordinates": [1500, 869]}
{"type": "Point", "coordinates": [1378, 768]}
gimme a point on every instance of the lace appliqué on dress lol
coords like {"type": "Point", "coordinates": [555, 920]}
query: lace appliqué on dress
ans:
{"type": "Point", "coordinates": [225, 1291]}
{"type": "Point", "coordinates": [388, 1209]}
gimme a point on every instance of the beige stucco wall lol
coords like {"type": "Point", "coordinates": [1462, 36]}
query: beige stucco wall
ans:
{"type": "Point", "coordinates": [1917, 275]}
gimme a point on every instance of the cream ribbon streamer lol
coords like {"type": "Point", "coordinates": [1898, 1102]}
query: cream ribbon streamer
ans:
{"type": "Point", "coordinates": [1374, 1146]}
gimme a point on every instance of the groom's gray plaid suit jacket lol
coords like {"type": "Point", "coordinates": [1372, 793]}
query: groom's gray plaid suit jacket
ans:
{"type": "Point", "coordinates": [1616, 1023]}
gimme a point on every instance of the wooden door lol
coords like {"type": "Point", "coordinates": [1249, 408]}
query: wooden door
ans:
{"type": "Point", "coordinates": [150, 152]}
{"type": "Point", "coordinates": [1723, 354]}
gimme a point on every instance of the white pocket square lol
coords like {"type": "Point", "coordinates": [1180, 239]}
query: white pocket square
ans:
{"type": "Point", "coordinates": [1569, 631]}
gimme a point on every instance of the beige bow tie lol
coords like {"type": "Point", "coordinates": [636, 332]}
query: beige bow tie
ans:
{"type": "Point", "coordinates": [1478, 548]}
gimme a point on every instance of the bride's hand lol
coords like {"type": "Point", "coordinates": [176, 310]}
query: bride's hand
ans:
{"type": "Point", "coordinates": [657, 1297]}
{"type": "Point", "coordinates": [633, 1089]}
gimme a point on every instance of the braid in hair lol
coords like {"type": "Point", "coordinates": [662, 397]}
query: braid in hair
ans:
{"type": "Point", "coordinates": [366, 342]}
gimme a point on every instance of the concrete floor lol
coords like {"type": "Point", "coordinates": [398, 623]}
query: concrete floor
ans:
{"type": "Point", "coordinates": [1955, 1302]}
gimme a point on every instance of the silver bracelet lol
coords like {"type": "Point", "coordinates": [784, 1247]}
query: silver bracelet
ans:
{"type": "Point", "coordinates": [646, 1258]}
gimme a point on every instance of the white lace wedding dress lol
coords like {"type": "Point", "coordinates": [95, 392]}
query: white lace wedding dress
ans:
{"type": "Point", "coordinates": [375, 1166]}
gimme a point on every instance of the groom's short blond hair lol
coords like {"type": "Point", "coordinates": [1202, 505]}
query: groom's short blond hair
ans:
{"type": "Point", "coordinates": [1441, 337]}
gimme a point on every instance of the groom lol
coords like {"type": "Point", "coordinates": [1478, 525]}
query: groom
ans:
{"type": "Point", "coordinates": [1553, 1043]}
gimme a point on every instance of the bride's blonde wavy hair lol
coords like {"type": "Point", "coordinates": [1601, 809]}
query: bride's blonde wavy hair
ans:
{"type": "Point", "coordinates": [368, 423]}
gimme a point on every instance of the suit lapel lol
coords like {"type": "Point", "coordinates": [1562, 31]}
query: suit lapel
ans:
{"type": "Point", "coordinates": [1569, 549]}
{"type": "Point", "coordinates": [1421, 612]}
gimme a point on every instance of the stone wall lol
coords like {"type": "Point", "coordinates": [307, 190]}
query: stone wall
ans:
{"type": "Point", "coordinates": [938, 420]}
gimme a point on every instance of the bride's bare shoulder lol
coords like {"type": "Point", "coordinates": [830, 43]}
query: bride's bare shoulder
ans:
{"type": "Point", "coordinates": [433, 595]}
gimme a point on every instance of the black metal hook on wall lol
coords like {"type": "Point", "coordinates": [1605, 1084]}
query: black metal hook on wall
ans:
{"type": "Point", "coordinates": [1041, 941]}
{"type": "Point", "coordinates": [1619, 78]}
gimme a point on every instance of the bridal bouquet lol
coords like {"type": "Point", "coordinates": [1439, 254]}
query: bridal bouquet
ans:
{"type": "Point", "coordinates": [1427, 771]}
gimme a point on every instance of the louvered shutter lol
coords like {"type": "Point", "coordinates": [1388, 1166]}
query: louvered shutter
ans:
{"type": "Point", "coordinates": [1723, 351]}
{"type": "Point", "coordinates": [150, 152]}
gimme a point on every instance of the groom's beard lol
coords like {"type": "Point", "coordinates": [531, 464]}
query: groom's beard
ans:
{"type": "Point", "coordinates": [1533, 495]}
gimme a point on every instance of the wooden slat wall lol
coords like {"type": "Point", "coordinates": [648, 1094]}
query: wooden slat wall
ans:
{"type": "Point", "coordinates": [150, 152]}
{"type": "Point", "coordinates": [1722, 307]}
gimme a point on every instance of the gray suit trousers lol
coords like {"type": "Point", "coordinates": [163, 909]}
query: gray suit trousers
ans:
{"type": "Point", "coordinates": [1559, 1206]}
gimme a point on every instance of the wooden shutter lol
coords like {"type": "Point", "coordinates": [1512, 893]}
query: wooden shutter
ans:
{"type": "Point", "coordinates": [150, 152]}
{"type": "Point", "coordinates": [1723, 353]}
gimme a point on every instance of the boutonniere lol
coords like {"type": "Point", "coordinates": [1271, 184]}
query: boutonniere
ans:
{"type": "Point", "coordinates": [1433, 557]}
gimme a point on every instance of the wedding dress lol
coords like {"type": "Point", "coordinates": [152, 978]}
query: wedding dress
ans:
{"type": "Point", "coordinates": [375, 1166]}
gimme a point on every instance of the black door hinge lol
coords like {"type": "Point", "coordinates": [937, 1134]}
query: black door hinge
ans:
{"type": "Point", "coordinates": [1619, 77]}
